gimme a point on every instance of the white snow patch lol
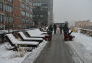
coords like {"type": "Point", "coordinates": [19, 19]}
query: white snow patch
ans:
{"type": "Point", "coordinates": [32, 57]}
{"type": "Point", "coordinates": [8, 56]}
{"type": "Point", "coordinates": [82, 46]}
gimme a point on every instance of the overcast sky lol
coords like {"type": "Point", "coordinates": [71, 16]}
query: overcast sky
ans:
{"type": "Point", "coordinates": [72, 10]}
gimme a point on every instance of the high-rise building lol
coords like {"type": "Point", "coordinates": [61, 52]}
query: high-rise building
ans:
{"type": "Point", "coordinates": [50, 11]}
{"type": "Point", "coordinates": [42, 11]}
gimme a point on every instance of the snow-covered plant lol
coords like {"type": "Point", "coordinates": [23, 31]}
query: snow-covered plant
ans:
{"type": "Point", "coordinates": [21, 51]}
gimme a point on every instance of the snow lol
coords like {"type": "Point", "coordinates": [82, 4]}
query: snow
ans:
{"type": "Point", "coordinates": [28, 38]}
{"type": "Point", "coordinates": [32, 57]}
{"type": "Point", "coordinates": [81, 47]}
{"type": "Point", "coordinates": [81, 51]}
{"type": "Point", "coordinates": [22, 55]}
{"type": "Point", "coordinates": [9, 56]}
{"type": "Point", "coordinates": [15, 41]}
{"type": "Point", "coordinates": [35, 33]}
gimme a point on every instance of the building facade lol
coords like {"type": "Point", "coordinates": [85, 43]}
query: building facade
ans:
{"type": "Point", "coordinates": [42, 12]}
{"type": "Point", "coordinates": [6, 14]}
{"type": "Point", "coordinates": [26, 13]}
{"type": "Point", "coordinates": [15, 14]}
{"type": "Point", "coordinates": [21, 14]}
{"type": "Point", "coordinates": [50, 11]}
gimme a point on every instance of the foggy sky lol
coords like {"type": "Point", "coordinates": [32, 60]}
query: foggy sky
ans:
{"type": "Point", "coordinates": [72, 10]}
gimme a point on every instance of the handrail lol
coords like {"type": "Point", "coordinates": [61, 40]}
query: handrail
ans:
{"type": "Point", "coordinates": [85, 29]}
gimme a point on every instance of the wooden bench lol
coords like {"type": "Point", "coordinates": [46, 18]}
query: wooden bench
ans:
{"type": "Point", "coordinates": [25, 38]}
{"type": "Point", "coordinates": [35, 34]}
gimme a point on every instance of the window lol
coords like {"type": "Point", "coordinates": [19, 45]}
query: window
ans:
{"type": "Point", "coordinates": [36, 4]}
{"type": "Point", "coordinates": [8, 8]}
{"type": "Point", "coordinates": [10, 19]}
{"type": "Point", "coordinates": [41, 16]}
{"type": "Point", "coordinates": [10, 0]}
{"type": "Point", "coordinates": [1, 6]}
{"type": "Point", "coordinates": [22, 5]}
{"type": "Point", "coordinates": [30, 9]}
{"type": "Point", "coordinates": [27, 14]}
{"type": "Point", "coordinates": [31, 15]}
{"type": "Point", "coordinates": [1, 18]}
{"type": "Point", "coordinates": [23, 13]}
{"type": "Point", "coordinates": [23, 21]}
{"type": "Point", "coordinates": [5, 18]}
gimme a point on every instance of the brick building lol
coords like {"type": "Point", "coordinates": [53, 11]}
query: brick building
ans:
{"type": "Point", "coordinates": [23, 13]}
{"type": "Point", "coordinates": [6, 14]}
{"type": "Point", "coordinates": [15, 14]}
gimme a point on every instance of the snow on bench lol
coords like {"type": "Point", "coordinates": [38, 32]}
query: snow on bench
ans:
{"type": "Point", "coordinates": [37, 31]}
{"type": "Point", "coordinates": [85, 29]}
{"type": "Point", "coordinates": [17, 42]}
{"type": "Point", "coordinates": [35, 34]}
{"type": "Point", "coordinates": [28, 38]}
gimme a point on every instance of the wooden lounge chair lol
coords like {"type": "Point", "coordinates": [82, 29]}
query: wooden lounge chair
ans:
{"type": "Point", "coordinates": [25, 38]}
{"type": "Point", "coordinates": [15, 42]}
{"type": "Point", "coordinates": [35, 34]}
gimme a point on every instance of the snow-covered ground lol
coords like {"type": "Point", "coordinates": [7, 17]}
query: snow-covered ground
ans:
{"type": "Point", "coordinates": [8, 56]}
{"type": "Point", "coordinates": [81, 47]}
{"type": "Point", "coordinates": [33, 56]}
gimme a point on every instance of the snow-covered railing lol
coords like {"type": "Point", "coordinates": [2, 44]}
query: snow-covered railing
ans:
{"type": "Point", "coordinates": [86, 31]}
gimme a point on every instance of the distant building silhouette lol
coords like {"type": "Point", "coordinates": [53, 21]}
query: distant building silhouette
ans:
{"type": "Point", "coordinates": [83, 24]}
